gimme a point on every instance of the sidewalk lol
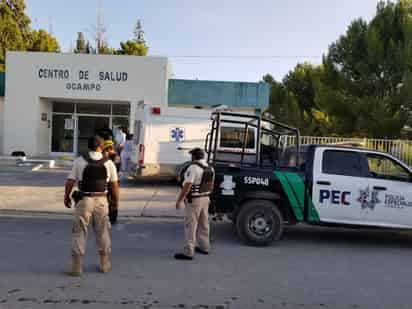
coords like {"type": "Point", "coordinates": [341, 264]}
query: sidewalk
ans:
{"type": "Point", "coordinates": [24, 190]}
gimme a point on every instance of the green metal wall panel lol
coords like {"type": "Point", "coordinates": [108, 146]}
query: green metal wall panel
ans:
{"type": "Point", "coordinates": [210, 93]}
{"type": "Point", "coordinates": [2, 83]}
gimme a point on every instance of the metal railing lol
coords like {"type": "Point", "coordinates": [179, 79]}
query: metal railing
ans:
{"type": "Point", "coordinates": [401, 149]}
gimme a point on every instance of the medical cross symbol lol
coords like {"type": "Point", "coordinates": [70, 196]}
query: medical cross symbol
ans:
{"type": "Point", "coordinates": [177, 134]}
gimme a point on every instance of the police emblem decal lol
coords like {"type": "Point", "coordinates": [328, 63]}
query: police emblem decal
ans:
{"type": "Point", "coordinates": [368, 198]}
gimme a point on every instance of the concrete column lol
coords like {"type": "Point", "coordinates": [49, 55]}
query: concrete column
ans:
{"type": "Point", "coordinates": [132, 117]}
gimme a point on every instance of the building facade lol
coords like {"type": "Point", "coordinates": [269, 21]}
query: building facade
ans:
{"type": "Point", "coordinates": [51, 103]}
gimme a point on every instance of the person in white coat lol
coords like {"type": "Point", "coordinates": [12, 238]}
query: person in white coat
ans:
{"type": "Point", "coordinates": [120, 139]}
{"type": "Point", "coordinates": [126, 154]}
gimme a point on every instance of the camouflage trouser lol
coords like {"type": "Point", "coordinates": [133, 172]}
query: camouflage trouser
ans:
{"type": "Point", "coordinates": [94, 210]}
{"type": "Point", "coordinates": [197, 225]}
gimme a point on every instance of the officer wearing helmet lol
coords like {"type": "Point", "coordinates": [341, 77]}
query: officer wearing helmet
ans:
{"type": "Point", "coordinates": [197, 186]}
{"type": "Point", "coordinates": [110, 154]}
{"type": "Point", "coordinates": [92, 172]}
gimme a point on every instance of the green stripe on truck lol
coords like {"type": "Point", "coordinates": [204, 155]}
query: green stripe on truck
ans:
{"type": "Point", "coordinates": [293, 199]}
{"type": "Point", "coordinates": [294, 188]}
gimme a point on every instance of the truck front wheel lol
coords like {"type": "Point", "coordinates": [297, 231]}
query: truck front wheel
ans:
{"type": "Point", "coordinates": [259, 223]}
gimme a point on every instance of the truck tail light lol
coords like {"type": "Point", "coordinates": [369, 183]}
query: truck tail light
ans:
{"type": "Point", "coordinates": [141, 154]}
{"type": "Point", "coordinates": [156, 110]}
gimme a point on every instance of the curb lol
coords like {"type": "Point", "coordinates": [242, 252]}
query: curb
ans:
{"type": "Point", "coordinates": [41, 213]}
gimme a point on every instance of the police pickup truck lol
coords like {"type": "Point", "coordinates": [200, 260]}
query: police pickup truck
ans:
{"type": "Point", "coordinates": [262, 187]}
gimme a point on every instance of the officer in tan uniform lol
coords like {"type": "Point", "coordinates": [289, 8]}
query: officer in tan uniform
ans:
{"type": "Point", "coordinates": [195, 195]}
{"type": "Point", "coordinates": [92, 172]}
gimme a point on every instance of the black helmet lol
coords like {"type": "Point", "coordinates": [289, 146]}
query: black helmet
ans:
{"type": "Point", "coordinates": [197, 153]}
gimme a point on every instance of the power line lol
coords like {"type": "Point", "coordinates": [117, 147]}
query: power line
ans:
{"type": "Point", "coordinates": [246, 57]}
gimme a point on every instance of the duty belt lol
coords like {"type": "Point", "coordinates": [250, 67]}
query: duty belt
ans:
{"type": "Point", "coordinates": [195, 192]}
{"type": "Point", "coordinates": [94, 194]}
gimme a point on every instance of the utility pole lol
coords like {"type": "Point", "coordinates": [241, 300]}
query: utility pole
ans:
{"type": "Point", "coordinates": [50, 25]}
{"type": "Point", "coordinates": [99, 26]}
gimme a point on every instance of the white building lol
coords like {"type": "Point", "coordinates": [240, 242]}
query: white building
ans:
{"type": "Point", "coordinates": [54, 102]}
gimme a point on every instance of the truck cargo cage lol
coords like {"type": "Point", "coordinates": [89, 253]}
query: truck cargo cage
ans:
{"type": "Point", "coordinates": [251, 127]}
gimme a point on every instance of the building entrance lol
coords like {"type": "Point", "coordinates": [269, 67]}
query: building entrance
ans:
{"type": "Point", "coordinates": [86, 127]}
{"type": "Point", "coordinates": [74, 123]}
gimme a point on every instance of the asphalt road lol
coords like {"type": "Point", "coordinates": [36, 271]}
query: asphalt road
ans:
{"type": "Point", "coordinates": [310, 267]}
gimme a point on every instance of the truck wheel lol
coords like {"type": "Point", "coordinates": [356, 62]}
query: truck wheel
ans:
{"type": "Point", "coordinates": [259, 223]}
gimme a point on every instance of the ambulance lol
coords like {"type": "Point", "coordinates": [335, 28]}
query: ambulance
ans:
{"type": "Point", "coordinates": [162, 138]}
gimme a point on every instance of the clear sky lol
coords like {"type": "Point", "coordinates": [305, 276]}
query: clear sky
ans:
{"type": "Point", "coordinates": [212, 28]}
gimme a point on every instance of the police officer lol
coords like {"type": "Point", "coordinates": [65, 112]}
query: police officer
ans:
{"type": "Point", "coordinates": [196, 219]}
{"type": "Point", "coordinates": [92, 173]}
{"type": "Point", "coordinates": [110, 154]}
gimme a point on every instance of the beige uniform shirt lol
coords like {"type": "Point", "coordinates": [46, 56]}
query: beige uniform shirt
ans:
{"type": "Point", "coordinates": [80, 163]}
{"type": "Point", "coordinates": [194, 173]}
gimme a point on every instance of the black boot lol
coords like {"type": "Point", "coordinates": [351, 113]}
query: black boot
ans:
{"type": "Point", "coordinates": [198, 250]}
{"type": "Point", "coordinates": [181, 256]}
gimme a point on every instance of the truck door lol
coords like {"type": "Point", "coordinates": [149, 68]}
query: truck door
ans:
{"type": "Point", "coordinates": [390, 184]}
{"type": "Point", "coordinates": [338, 177]}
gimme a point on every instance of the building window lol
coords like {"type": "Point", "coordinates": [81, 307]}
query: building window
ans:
{"type": "Point", "coordinates": [120, 122]}
{"type": "Point", "coordinates": [63, 107]}
{"type": "Point", "coordinates": [92, 108]}
{"type": "Point", "coordinates": [121, 109]}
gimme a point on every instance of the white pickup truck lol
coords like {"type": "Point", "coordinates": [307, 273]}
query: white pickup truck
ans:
{"type": "Point", "coordinates": [315, 184]}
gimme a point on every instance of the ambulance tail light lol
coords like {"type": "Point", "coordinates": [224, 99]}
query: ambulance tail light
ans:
{"type": "Point", "coordinates": [156, 110]}
{"type": "Point", "coordinates": [141, 154]}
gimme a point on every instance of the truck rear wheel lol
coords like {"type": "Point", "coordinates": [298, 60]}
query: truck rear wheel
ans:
{"type": "Point", "coordinates": [259, 223]}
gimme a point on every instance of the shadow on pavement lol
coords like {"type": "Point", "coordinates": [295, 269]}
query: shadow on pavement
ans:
{"type": "Point", "coordinates": [339, 236]}
{"type": "Point", "coordinates": [24, 176]}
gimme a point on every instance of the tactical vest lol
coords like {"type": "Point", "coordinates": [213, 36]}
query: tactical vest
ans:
{"type": "Point", "coordinates": [205, 187]}
{"type": "Point", "coordinates": [94, 177]}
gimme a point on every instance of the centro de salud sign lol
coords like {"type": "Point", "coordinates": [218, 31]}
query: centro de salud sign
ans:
{"type": "Point", "coordinates": [87, 80]}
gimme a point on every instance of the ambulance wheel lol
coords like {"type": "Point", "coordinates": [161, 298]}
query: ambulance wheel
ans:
{"type": "Point", "coordinates": [259, 223]}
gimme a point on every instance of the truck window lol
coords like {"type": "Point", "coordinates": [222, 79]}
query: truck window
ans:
{"type": "Point", "coordinates": [385, 168]}
{"type": "Point", "coordinates": [288, 157]}
{"type": "Point", "coordinates": [346, 163]}
{"type": "Point", "coordinates": [232, 137]}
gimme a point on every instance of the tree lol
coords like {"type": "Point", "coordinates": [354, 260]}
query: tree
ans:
{"type": "Point", "coordinates": [301, 83]}
{"type": "Point", "coordinates": [17, 8]}
{"type": "Point", "coordinates": [137, 46]}
{"type": "Point", "coordinates": [16, 33]}
{"type": "Point", "coordinates": [368, 72]}
{"type": "Point", "coordinates": [281, 105]}
{"type": "Point", "coordinates": [295, 100]}
{"type": "Point", "coordinates": [364, 86]}
{"type": "Point", "coordinates": [105, 49]}
{"type": "Point", "coordinates": [42, 41]}
{"type": "Point", "coordinates": [13, 28]}
{"type": "Point", "coordinates": [131, 47]}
